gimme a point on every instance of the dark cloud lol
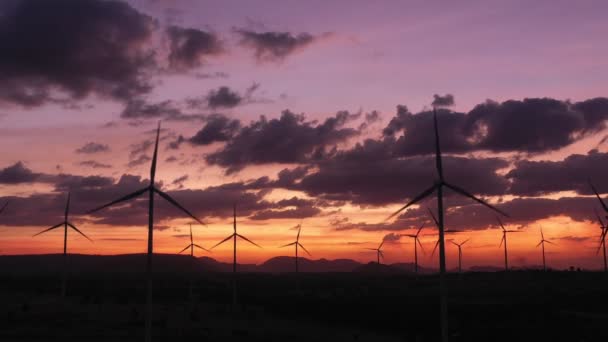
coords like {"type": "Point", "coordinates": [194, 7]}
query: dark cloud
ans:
{"type": "Point", "coordinates": [443, 101]}
{"type": "Point", "coordinates": [179, 181]}
{"type": "Point", "coordinates": [218, 128]}
{"type": "Point", "coordinates": [17, 173]}
{"type": "Point", "coordinates": [533, 178]}
{"type": "Point", "coordinates": [189, 46]}
{"type": "Point", "coordinates": [94, 164]}
{"type": "Point", "coordinates": [92, 147]}
{"type": "Point", "coordinates": [275, 46]}
{"type": "Point", "coordinates": [139, 108]}
{"type": "Point", "coordinates": [141, 160]}
{"type": "Point", "coordinates": [289, 139]}
{"type": "Point", "coordinates": [532, 125]}
{"type": "Point", "coordinates": [76, 47]}
{"type": "Point", "coordinates": [366, 181]}
{"type": "Point", "coordinates": [223, 97]}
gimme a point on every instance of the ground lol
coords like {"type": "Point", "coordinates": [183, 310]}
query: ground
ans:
{"type": "Point", "coordinates": [514, 306]}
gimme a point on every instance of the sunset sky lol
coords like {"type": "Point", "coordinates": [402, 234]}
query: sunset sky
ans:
{"type": "Point", "coordinates": [311, 112]}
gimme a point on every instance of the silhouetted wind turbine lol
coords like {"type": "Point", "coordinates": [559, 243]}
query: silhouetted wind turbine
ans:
{"type": "Point", "coordinates": [438, 186]}
{"type": "Point", "coordinates": [542, 243]}
{"type": "Point", "coordinates": [378, 251]}
{"type": "Point", "coordinates": [192, 245]}
{"type": "Point", "coordinates": [459, 253]}
{"type": "Point", "coordinates": [416, 243]}
{"type": "Point", "coordinates": [296, 244]}
{"type": "Point", "coordinates": [234, 237]}
{"type": "Point", "coordinates": [66, 223]}
{"type": "Point", "coordinates": [446, 231]}
{"type": "Point", "coordinates": [151, 189]}
{"type": "Point", "coordinates": [604, 229]}
{"type": "Point", "coordinates": [504, 240]}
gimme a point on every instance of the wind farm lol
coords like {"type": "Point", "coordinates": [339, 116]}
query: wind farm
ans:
{"type": "Point", "coordinates": [303, 171]}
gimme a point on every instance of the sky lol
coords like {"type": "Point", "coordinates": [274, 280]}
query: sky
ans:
{"type": "Point", "coordinates": [314, 113]}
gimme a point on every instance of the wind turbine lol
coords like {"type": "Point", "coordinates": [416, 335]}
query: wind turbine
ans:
{"type": "Point", "coordinates": [378, 251]}
{"type": "Point", "coordinates": [296, 244]}
{"type": "Point", "coordinates": [234, 236]}
{"type": "Point", "coordinates": [438, 186]}
{"type": "Point", "coordinates": [416, 243]}
{"type": "Point", "coordinates": [604, 229]}
{"type": "Point", "coordinates": [446, 232]}
{"type": "Point", "coordinates": [459, 253]}
{"type": "Point", "coordinates": [542, 243]}
{"type": "Point", "coordinates": [504, 240]}
{"type": "Point", "coordinates": [192, 245]}
{"type": "Point", "coordinates": [66, 223]}
{"type": "Point", "coordinates": [151, 189]}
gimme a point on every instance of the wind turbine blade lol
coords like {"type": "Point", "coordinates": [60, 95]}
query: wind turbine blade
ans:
{"type": "Point", "coordinates": [201, 247]}
{"type": "Point", "coordinates": [435, 248]}
{"type": "Point", "coordinates": [415, 200]}
{"type": "Point", "coordinates": [500, 223]}
{"type": "Point", "coordinates": [122, 199]}
{"type": "Point", "coordinates": [78, 231]}
{"type": "Point", "coordinates": [179, 206]}
{"type": "Point", "coordinates": [549, 242]}
{"type": "Point", "coordinates": [599, 248]}
{"type": "Point", "coordinates": [381, 254]}
{"type": "Point", "coordinates": [542, 236]}
{"type": "Point", "coordinates": [191, 239]}
{"type": "Point", "coordinates": [501, 241]}
{"type": "Point", "coordinates": [371, 249]}
{"type": "Point", "coordinates": [465, 241]}
{"type": "Point", "coordinates": [299, 229]}
{"type": "Point", "coordinates": [437, 147]}
{"type": "Point", "coordinates": [381, 243]}
{"type": "Point", "coordinates": [154, 156]}
{"type": "Point", "coordinates": [3, 207]}
{"type": "Point", "coordinates": [221, 242]}
{"type": "Point", "coordinates": [454, 243]}
{"type": "Point", "coordinates": [420, 244]}
{"type": "Point", "coordinates": [599, 218]}
{"type": "Point", "coordinates": [183, 250]}
{"type": "Point", "coordinates": [434, 218]}
{"type": "Point", "coordinates": [598, 196]}
{"type": "Point", "coordinates": [67, 206]}
{"type": "Point", "coordinates": [540, 243]}
{"type": "Point", "coordinates": [305, 250]}
{"type": "Point", "coordinates": [53, 227]}
{"type": "Point", "coordinates": [420, 229]}
{"type": "Point", "coordinates": [289, 244]}
{"type": "Point", "coordinates": [246, 239]}
{"type": "Point", "coordinates": [467, 194]}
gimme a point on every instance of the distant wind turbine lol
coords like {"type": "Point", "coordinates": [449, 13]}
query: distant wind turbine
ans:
{"type": "Point", "coordinates": [438, 186]}
{"type": "Point", "coordinates": [234, 236]}
{"type": "Point", "coordinates": [66, 223]}
{"type": "Point", "coordinates": [378, 251]}
{"type": "Point", "coordinates": [151, 189]}
{"type": "Point", "coordinates": [446, 231]}
{"type": "Point", "coordinates": [297, 244]}
{"type": "Point", "coordinates": [542, 243]}
{"type": "Point", "coordinates": [504, 240]}
{"type": "Point", "coordinates": [602, 245]}
{"type": "Point", "coordinates": [459, 245]}
{"type": "Point", "coordinates": [416, 243]}
{"type": "Point", "coordinates": [191, 246]}
{"type": "Point", "coordinates": [604, 228]}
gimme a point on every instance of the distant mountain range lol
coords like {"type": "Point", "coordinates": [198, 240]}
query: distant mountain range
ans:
{"type": "Point", "coordinates": [172, 263]}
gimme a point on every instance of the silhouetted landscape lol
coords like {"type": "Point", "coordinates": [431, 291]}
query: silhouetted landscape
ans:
{"type": "Point", "coordinates": [340, 300]}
